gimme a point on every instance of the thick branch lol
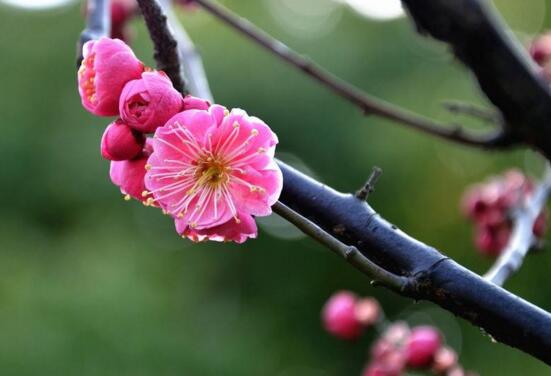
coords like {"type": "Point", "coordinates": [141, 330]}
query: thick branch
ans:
{"type": "Point", "coordinates": [504, 70]}
{"type": "Point", "coordinates": [367, 103]}
{"type": "Point", "coordinates": [166, 47]}
{"type": "Point", "coordinates": [504, 316]}
{"type": "Point", "coordinates": [98, 24]}
{"type": "Point", "coordinates": [522, 237]}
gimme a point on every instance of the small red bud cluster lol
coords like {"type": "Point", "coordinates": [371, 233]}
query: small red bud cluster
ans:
{"type": "Point", "coordinates": [345, 315]}
{"type": "Point", "coordinates": [540, 50]}
{"type": "Point", "coordinates": [491, 205]}
{"type": "Point", "coordinates": [400, 349]}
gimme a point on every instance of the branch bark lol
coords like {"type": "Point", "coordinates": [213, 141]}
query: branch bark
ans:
{"type": "Point", "coordinates": [505, 72]}
{"type": "Point", "coordinates": [191, 63]}
{"type": "Point", "coordinates": [166, 47]}
{"type": "Point", "coordinates": [434, 277]}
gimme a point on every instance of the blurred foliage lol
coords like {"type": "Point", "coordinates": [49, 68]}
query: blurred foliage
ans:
{"type": "Point", "coordinates": [93, 285]}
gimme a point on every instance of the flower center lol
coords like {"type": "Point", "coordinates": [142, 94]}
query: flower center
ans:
{"type": "Point", "coordinates": [211, 172]}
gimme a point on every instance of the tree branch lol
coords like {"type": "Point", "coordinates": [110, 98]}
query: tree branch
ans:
{"type": "Point", "coordinates": [349, 253]}
{"type": "Point", "coordinates": [522, 237]}
{"type": "Point", "coordinates": [166, 47]}
{"type": "Point", "coordinates": [505, 72]}
{"type": "Point", "coordinates": [368, 104]}
{"type": "Point", "coordinates": [192, 64]}
{"type": "Point", "coordinates": [98, 24]}
{"type": "Point", "coordinates": [434, 277]}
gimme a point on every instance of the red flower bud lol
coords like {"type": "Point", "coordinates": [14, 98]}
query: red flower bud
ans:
{"type": "Point", "coordinates": [339, 317]}
{"type": "Point", "coordinates": [422, 346]}
{"type": "Point", "coordinates": [120, 142]}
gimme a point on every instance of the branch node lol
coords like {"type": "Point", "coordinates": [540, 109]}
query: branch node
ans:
{"type": "Point", "coordinates": [369, 186]}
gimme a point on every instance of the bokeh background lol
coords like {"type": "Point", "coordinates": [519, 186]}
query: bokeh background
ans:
{"type": "Point", "coordinates": [93, 285]}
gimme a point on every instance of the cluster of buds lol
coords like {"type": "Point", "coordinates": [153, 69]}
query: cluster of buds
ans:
{"type": "Point", "coordinates": [209, 168]}
{"type": "Point", "coordinates": [402, 348]}
{"type": "Point", "coordinates": [491, 206]}
{"type": "Point", "coordinates": [540, 50]}
{"type": "Point", "coordinates": [399, 349]}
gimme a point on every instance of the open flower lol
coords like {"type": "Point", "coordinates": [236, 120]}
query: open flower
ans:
{"type": "Point", "coordinates": [212, 171]}
{"type": "Point", "coordinates": [147, 103]}
{"type": "Point", "coordinates": [129, 175]}
{"type": "Point", "coordinates": [107, 66]}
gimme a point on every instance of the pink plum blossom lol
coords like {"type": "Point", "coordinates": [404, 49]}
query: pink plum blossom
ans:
{"type": "Point", "coordinates": [129, 175]}
{"type": "Point", "coordinates": [120, 142]}
{"type": "Point", "coordinates": [147, 103]}
{"type": "Point", "coordinates": [212, 171]}
{"type": "Point", "coordinates": [107, 66]}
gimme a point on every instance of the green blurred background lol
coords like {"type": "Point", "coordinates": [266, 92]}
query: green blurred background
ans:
{"type": "Point", "coordinates": [93, 285]}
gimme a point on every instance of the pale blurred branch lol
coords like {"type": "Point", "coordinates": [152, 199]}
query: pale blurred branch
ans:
{"type": "Point", "coordinates": [522, 237]}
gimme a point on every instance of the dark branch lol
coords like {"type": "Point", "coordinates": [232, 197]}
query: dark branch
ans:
{"type": "Point", "coordinates": [434, 277]}
{"type": "Point", "coordinates": [503, 69]}
{"type": "Point", "coordinates": [192, 65]}
{"type": "Point", "coordinates": [166, 47]}
{"type": "Point", "coordinates": [367, 103]}
{"type": "Point", "coordinates": [98, 24]}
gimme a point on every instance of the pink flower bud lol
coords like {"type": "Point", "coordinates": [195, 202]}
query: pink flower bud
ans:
{"type": "Point", "coordinates": [129, 176]}
{"type": "Point", "coordinates": [422, 345]}
{"type": "Point", "coordinates": [540, 226]}
{"type": "Point", "coordinates": [148, 103]}
{"type": "Point", "coordinates": [107, 66]}
{"type": "Point", "coordinates": [367, 311]}
{"type": "Point", "coordinates": [540, 50]}
{"type": "Point", "coordinates": [492, 239]}
{"type": "Point", "coordinates": [444, 359]}
{"type": "Point", "coordinates": [397, 334]}
{"type": "Point", "coordinates": [120, 142]}
{"type": "Point", "coordinates": [194, 103]}
{"type": "Point", "coordinates": [339, 317]}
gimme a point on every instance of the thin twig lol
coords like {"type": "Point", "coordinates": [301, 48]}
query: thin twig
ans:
{"type": "Point", "coordinates": [483, 114]}
{"type": "Point", "coordinates": [369, 186]}
{"type": "Point", "coordinates": [166, 47]}
{"type": "Point", "coordinates": [98, 24]}
{"type": "Point", "coordinates": [349, 253]}
{"type": "Point", "coordinates": [522, 237]}
{"type": "Point", "coordinates": [191, 62]}
{"type": "Point", "coordinates": [367, 103]}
